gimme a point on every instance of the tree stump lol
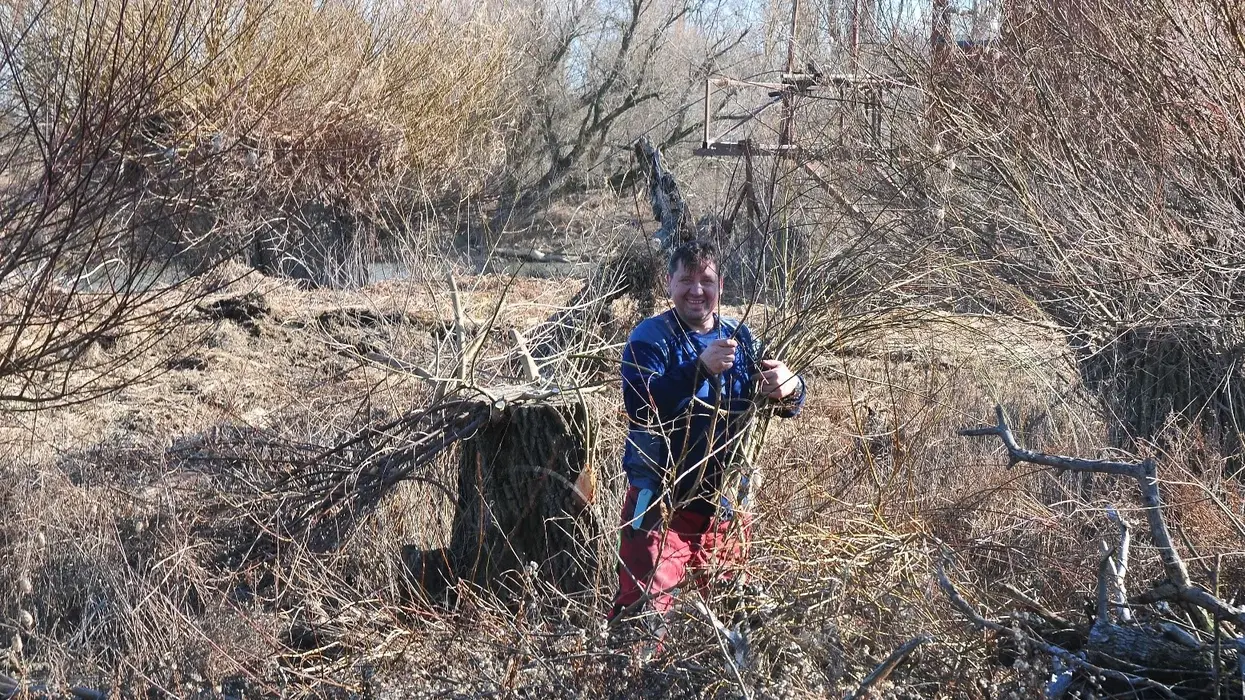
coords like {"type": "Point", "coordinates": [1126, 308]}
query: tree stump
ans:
{"type": "Point", "coordinates": [526, 486]}
{"type": "Point", "coordinates": [1189, 370]}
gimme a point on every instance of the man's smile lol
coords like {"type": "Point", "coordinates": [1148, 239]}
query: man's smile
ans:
{"type": "Point", "coordinates": [695, 294]}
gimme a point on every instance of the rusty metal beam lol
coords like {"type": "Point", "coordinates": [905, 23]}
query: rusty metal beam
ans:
{"type": "Point", "coordinates": [739, 148]}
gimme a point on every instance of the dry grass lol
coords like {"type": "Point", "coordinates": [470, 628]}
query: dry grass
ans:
{"type": "Point", "coordinates": [364, 88]}
{"type": "Point", "coordinates": [126, 556]}
{"type": "Point", "coordinates": [124, 530]}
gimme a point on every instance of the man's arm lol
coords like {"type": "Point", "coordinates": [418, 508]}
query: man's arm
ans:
{"type": "Point", "coordinates": [649, 384]}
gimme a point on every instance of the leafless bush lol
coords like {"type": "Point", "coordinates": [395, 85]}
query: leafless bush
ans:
{"type": "Point", "coordinates": [84, 285]}
{"type": "Point", "coordinates": [145, 142]}
{"type": "Point", "coordinates": [1089, 159]}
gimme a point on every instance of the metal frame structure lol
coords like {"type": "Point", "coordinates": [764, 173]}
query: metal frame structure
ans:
{"type": "Point", "coordinates": [786, 92]}
{"type": "Point", "coordinates": [866, 91]}
{"type": "Point", "coordinates": [790, 87]}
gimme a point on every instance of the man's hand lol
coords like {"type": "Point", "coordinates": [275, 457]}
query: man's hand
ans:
{"type": "Point", "coordinates": [719, 356]}
{"type": "Point", "coordinates": [776, 381]}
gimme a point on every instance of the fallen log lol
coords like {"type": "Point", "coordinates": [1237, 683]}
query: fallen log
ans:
{"type": "Point", "coordinates": [1148, 655]}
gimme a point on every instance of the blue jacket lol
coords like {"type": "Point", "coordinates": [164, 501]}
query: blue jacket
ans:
{"type": "Point", "coordinates": [676, 446]}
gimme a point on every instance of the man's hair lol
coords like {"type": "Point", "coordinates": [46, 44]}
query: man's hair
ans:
{"type": "Point", "coordinates": [693, 254]}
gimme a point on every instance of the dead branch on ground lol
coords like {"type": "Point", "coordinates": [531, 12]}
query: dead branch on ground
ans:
{"type": "Point", "coordinates": [1153, 650]}
{"type": "Point", "coordinates": [888, 665]}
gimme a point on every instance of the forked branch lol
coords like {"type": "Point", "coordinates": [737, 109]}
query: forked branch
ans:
{"type": "Point", "coordinates": [1145, 473]}
{"type": "Point", "coordinates": [1018, 454]}
{"type": "Point", "coordinates": [1112, 570]}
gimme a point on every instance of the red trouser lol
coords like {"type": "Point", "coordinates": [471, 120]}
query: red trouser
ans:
{"type": "Point", "coordinates": [656, 560]}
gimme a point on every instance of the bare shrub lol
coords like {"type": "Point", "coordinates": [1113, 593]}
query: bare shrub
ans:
{"type": "Point", "coordinates": [1090, 162]}
{"type": "Point", "coordinates": [144, 142]}
{"type": "Point", "coordinates": [84, 286]}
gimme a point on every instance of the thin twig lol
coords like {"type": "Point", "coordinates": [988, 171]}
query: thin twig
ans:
{"type": "Point", "coordinates": [888, 665]}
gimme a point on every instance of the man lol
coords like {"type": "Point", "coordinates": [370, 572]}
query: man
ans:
{"type": "Point", "coordinates": [692, 382]}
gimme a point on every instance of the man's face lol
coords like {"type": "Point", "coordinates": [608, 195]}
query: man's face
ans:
{"type": "Point", "coordinates": [695, 294]}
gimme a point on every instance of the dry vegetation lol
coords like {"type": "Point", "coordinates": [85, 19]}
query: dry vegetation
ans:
{"type": "Point", "coordinates": [122, 535]}
{"type": "Point", "coordinates": [116, 522]}
{"type": "Point", "coordinates": [194, 454]}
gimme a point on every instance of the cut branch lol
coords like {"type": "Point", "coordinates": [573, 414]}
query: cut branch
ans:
{"type": "Point", "coordinates": [1018, 454]}
{"type": "Point", "coordinates": [1112, 568]}
{"type": "Point", "coordinates": [1195, 596]}
{"type": "Point", "coordinates": [1060, 653]}
{"type": "Point", "coordinates": [531, 372]}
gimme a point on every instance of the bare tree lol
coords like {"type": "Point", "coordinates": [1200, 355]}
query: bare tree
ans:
{"type": "Point", "coordinates": [1089, 157]}
{"type": "Point", "coordinates": [593, 67]}
{"type": "Point", "coordinates": [143, 144]}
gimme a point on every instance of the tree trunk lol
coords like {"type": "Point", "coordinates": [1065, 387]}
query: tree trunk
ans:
{"type": "Point", "coordinates": [527, 482]}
